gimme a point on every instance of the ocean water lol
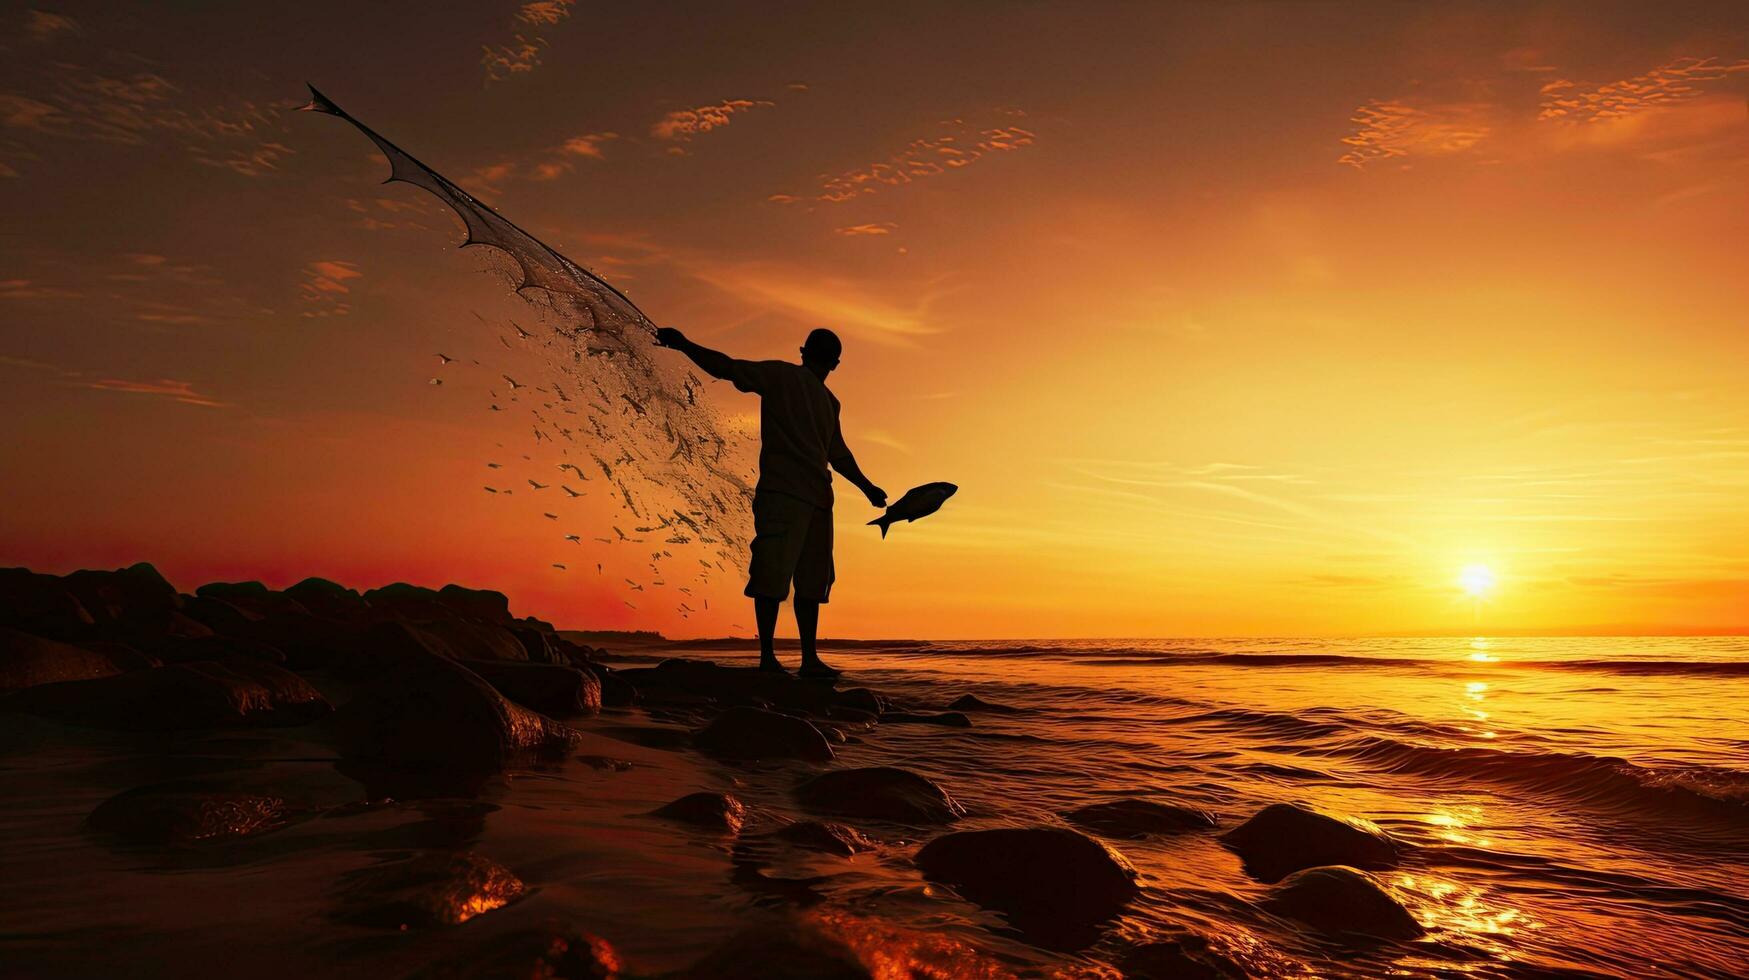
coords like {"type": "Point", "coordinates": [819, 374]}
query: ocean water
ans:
{"type": "Point", "coordinates": [1574, 808]}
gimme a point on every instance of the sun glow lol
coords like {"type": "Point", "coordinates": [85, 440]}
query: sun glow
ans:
{"type": "Point", "coordinates": [1477, 580]}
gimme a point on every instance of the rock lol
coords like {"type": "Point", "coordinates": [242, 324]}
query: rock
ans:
{"type": "Point", "coordinates": [477, 641]}
{"type": "Point", "coordinates": [430, 890]}
{"type": "Point", "coordinates": [1285, 837]}
{"type": "Point", "coordinates": [1342, 900]}
{"type": "Point", "coordinates": [192, 811]}
{"type": "Point", "coordinates": [971, 702]}
{"type": "Point", "coordinates": [384, 645]}
{"type": "Point", "coordinates": [1182, 957]}
{"type": "Point", "coordinates": [782, 952]}
{"type": "Point", "coordinates": [1136, 819]}
{"type": "Point", "coordinates": [482, 604]}
{"type": "Point", "coordinates": [860, 698]}
{"type": "Point", "coordinates": [428, 710]}
{"type": "Point", "coordinates": [949, 719]}
{"type": "Point", "coordinates": [833, 838]}
{"type": "Point", "coordinates": [616, 691]}
{"type": "Point", "coordinates": [1051, 882]}
{"type": "Point", "coordinates": [749, 733]}
{"type": "Point", "coordinates": [329, 599]}
{"type": "Point", "coordinates": [233, 590]}
{"type": "Point", "coordinates": [42, 605]}
{"type": "Point", "coordinates": [538, 646]}
{"type": "Point", "coordinates": [553, 952]}
{"type": "Point", "coordinates": [136, 595]}
{"type": "Point", "coordinates": [238, 693]}
{"type": "Point", "coordinates": [679, 680]}
{"type": "Point", "coordinates": [218, 615]}
{"type": "Point", "coordinates": [880, 793]}
{"type": "Point", "coordinates": [308, 641]}
{"type": "Point", "coordinates": [605, 763]}
{"type": "Point", "coordinates": [219, 648]}
{"type": "Point", "coordinates": [547, 688]}
{"type": "Point", "coordinates": [716, 811]}
{"type": "Point", "coordinates": [27, 661]}
{"type": "Point", "coordinates": [400, 601]}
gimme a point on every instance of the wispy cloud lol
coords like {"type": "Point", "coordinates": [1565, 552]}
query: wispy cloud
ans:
{"type": "Point", "coordinates": [872, 228]}
{"type": "Point", "coordinates": [683, 124]}
{"type": "Point", "coordinates": [1399, 129]}
{"type": "Point", "coordinates": [846, 304]}
{"type": "Point", "coordinates": [180, 391]}
{"type": "Point", "coordinates": [43, 26]}
{"type": "Point", "coordinates": [325, 282]}
{"type": "Point", "coordinates": [27, 289]}
{"type": "Point", "coordinates": [925, 158]}
{"type": "Point", "coordinates": [522, 53]}
{"type": "Point", "coordinates": [1676, 82]}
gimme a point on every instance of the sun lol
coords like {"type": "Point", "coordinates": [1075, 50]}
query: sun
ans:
{"type": "Point", "coordinates": [1477, 580]}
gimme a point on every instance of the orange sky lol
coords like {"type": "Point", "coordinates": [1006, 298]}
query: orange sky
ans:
{"type": "Point", "coordinates": [1228, 319]}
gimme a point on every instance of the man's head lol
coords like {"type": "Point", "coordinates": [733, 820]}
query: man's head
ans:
{"type": "Point", "coordinates": [820, 352]}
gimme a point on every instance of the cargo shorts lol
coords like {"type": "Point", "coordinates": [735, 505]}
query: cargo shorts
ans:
{"type": "Point", "coordinates": [792, 541]}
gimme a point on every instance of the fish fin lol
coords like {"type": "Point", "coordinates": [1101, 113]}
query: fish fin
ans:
{"type": "Point", "coordinates": [882, 522]}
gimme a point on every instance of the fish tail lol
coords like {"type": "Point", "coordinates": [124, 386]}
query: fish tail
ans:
{"type": "Point", "coordinates": [882, 522]}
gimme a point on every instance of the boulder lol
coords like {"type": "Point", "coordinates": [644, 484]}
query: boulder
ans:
{"type": "Point", "coordinates": [430, 890]}
{"type": "Point", "coordinates": [547, 688]}
{"type": "Point", "coordinates": [385, 645]}
{"type": "Point", "coordinates": [234, 694]}
{"type": "Point", "coordinates": [1187, 956]}
{"type": "Point", "coordinates": [218, 615]}
{"type": "Point", "coordinates": [750, 733]}
{"type": "Point", "coordinates": [551, 952]}
{"type": "Point", "coordinates": [616, 691]}
{"type": "Point", "coordinates": [833, 838]}
{"type": "Point", "coordinates": [1050, 882]}
{"type": "Point", "coordinates": [188, 812]}
{"type": "Point", "coordinates": [1343, 901]}
{"type": "Point", "coordinates": [27, 661]}
{"type": "Point", "coordinates": [860, 698]}
{"type": "Point", "coordinates": [329, 599]}
{"type": "Point", "coordinates": [947, 719]}
{"type": "Point", "coordinates": [971, 702]}
{"type": "Point", "coordinates": [715, 811]}
{"type": "Point", "coordinates": [1136, 819]}
{"type": "Point", "coordinates": [1285, 837]}
{"type": "Point", "coordinates": [701, 681]}
{"type": "Point", "coordinates": [481, 604]}
{"type": "Point", "coordinates": [538, 646]}
{"type": "Point", "coordinates": [880, 793]}
{"type": "Point", "coordinates": [234, 590]}
{"type": "Point", "coordinates": [426, 710]}
{"type": "Point", "coordinates": [782, 952]}
{"type": "Point", "coordinates": [308, 641]}
{"type": "Point", "coordinates": [216, 647]}
{"type": "Point", "coordinates": [41, 604]}
{"type": "Point", "coordinates": [135, 595]}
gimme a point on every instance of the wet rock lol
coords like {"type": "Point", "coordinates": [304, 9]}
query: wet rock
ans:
{"type": "Point", "coordinates": [781, 952]}
{"type": "Point", "coordinates": [218, 615]}
{"type": "Point", "coordinates": [1342, 900]}
{"type": "Point", "coordinates": [750, 733]}
{"type": "Point", "coordinates": [715, 811]}
{"type": "Point", "coordinates": [251, 597]}
{"type": "Point", "coordinates": [237, 693]}
{"type": "Point", "coordinates": [679, 680]}
{"type": "Point", "coordinates": [427, 891]}
{"type": "Point", "coordinates": [538, 646]}
{"type": "Point", "coordinates": [855, 716]}
{"type": "Point", "coordinates": [27, 661]}
{"type": "Point", "coordinates": [1181, 957]}
{"type": "Point", "coordinates": [553, 952]}
{"type": "Point", "coordinates": [380, 648]}
{"type": "Point", "coordinates": [42, 605]}
{"type": "Point", "coordinates": [616, 691]}
{"type": "Point", "coordinates": [880, 793]}
{"type": "Point", "coordinates": [478, 641]}
{"type": "Point", "coordinates": [234, 590]}
{"type": "Point", "coordinates": [604, 763]}
{"type": "Point", "coordinates": [548, 688]}
{"type": "Point", "coordinates": [971, 702]}
{"type": "Point", "coordinates": [860, 698]}
{"type": "Point", "coordinates": [833, 838]}
{"type": "Point", "coordinates": [187, 812]}
{"type": "Point", "coordinates": [308, 641]}
{"type": "Point", "coordinates": [1051, 882]}
{"type": "Point", "coordinates": [1136, 819]}
{"type": "Point", "coordinates": [947, 719]}
{"type": "Point", "coordinates": [1285, 837]}
{"type": "Point", "coordinates": [401, 601]}
{"type": "Point", "coordinates": [136, 595]}
{"type": "Point", "coordinates": [431, 711]}
{"type": "Point", "coordinates": [839, 946]}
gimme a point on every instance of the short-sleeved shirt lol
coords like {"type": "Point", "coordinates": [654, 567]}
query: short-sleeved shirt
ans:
{"type": "Point", "coordinates": [798, 428]}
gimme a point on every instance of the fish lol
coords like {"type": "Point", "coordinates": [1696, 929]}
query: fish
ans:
{"type": "Point", "coordinates": [917, 502]}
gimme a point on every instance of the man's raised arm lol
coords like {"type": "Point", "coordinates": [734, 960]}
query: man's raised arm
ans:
{"type": "Point", "coordinates": [845, 464]}
{"type": "Point", "coordinates": [712, 362]}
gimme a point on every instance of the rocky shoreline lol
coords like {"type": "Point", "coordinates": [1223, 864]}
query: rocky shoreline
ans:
{"type": "Point", "coordinates": [423, 694]}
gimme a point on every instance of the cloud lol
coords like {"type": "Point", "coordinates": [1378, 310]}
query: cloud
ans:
{"type": "Point", "coordinates": [522, 53]}
{"type": "Point", "coordinates": [1391, 129]}
{"type": "Point", "coordinates": [181, 391]}
{"type": "Point", "coordinates": [924, 158]}
{"type": "Point", "coordinates": [1681, 80]}
{"type": "Point", "coordinates": [324, 283]}
{"type": "Point", "coordinates": [43, 26]}
{"type": "Point", "coordinates": [783, 199]}
{"type": "Point", "coordinates": [872, 228]}
{"type": "Point", "coordinates": [815, 298]}
{"type": "Point", "coordinates": [588, 145]}
{"type": "Point", "coordinates": [683, 124]}
{"type": "Point", "coordinates": [29, 289]}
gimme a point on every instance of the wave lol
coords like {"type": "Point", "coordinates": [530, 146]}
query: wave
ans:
{"type": "Point", "coordinates": [1697, 668]}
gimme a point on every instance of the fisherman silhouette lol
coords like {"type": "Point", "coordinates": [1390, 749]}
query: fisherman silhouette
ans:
{"type": "Point", "coordinates": [792, 504]}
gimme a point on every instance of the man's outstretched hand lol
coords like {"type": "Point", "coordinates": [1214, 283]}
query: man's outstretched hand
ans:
{"type": "Point", "coordinates": [669, 337]}
{"type": "Point", "coordinates": [876, 495]}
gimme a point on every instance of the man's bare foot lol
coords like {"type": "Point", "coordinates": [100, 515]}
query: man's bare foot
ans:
{"type": "Point", "coordinates": [772, 666]}
{"type": "Point", "coordinates": [816, 668]}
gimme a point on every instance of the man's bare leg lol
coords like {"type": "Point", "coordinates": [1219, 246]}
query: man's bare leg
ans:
{"type": "Point", "coordinates": [807, 623]}
{"type": "Point", "coordinates": [765, 615]}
